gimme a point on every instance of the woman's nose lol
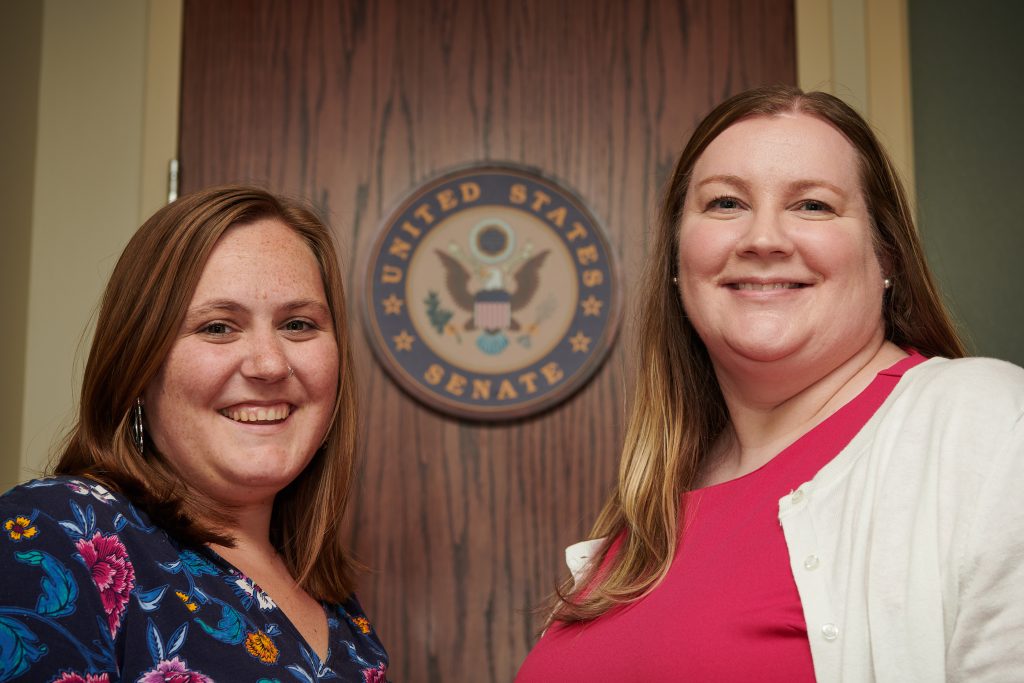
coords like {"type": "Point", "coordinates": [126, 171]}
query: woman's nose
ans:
{"type": "Point", "coordinates": [766, 235]}
{"type": "Point", "coordinates": [266, 359]}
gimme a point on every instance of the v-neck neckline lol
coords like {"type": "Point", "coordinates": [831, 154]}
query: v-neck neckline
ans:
{"type": "Point", "coordinates": [332, 624]}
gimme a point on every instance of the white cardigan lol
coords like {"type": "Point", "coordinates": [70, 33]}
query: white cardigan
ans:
{"type": "Point", "coordinates": [908, 547]}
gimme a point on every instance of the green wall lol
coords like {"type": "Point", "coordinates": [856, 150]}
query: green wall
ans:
{"type": "Point", "coordinates": [967, 77]}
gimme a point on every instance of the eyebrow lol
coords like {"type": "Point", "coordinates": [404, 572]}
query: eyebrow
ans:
{"type": "Point", "coordinates": [232, 306]}
{"type": "Point", "coordinates": [798, 186]}
{"type": "Point", "coordinates": [813, 183]}
{"type": "Point", "coordinates": [734, 180]}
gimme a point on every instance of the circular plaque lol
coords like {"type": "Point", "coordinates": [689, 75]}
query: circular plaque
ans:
{"type": "Point", "coordinates": [491, 293]}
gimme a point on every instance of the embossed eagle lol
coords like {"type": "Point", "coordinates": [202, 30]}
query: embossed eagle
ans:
{"type": "Point", "coordinates": [526, 278]}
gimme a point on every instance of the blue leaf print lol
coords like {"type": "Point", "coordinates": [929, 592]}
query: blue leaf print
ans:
{"type": "Point", "coordinates": [320, 668]}
{"type": "Point", "coordinates": [138, 523]}
{"type": "Point", "coordinates": [200, 595]}
{"type": "Point", "coordinates": [308, 654]}
{"type": "Point", "coordinates": [353, 655]}
{"type": "Point", "coordinates": [19, 649]}
{"type": "Point", "coordinates": [104, 644]}
{"type": "Point", "coordinates": [271, 629]}
{"type": "Point", "coordinates": [197, 565]}
{"type": "Point", "coordinates": [41, 483]}
{"type": "Point", "coordinates": [177, 639]}
{"type": "Point", "coordinates": [80, 517]}
{"type": "Point", "coordinates": [72, 529]}
{"type": "Point", "coordinates": [172, 567]}
{"type": "Point", "coordinates": [154, 642]}
{"type": "Point", "coordinates": [90, 519]}
{"type": "Point", "coordinates": [59, 588]}
{"type": "Point", "coordinates": [120, 522]}
{"type": "Point", "coordinates": [299, 673]}
{"type": "Point", "coordinates": [150, 600]}
{"type": "Point", "coordinates": [230, 628]}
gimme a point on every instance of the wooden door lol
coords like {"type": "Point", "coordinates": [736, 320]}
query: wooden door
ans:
{"type": "Point", "coordinates": [352, 104]}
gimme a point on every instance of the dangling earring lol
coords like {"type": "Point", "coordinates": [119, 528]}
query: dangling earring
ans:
{"type": "Point", "coordinates": [137, 434]}
{"type": "Point", "coordinates": [887, 283]}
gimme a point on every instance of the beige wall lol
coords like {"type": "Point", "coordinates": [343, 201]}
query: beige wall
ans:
{"type": "Point", "coordinates": [859, 50]}
{"type": "Point", "coordinates": [99, 131]}
{"type": "Point", "coordinates": [20, 40]}
{"type": "Point", "coordinates": [95, 147]}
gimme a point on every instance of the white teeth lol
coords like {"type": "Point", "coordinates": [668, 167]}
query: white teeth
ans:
{"type": "Point", "coordinates": [754, 286]}
{"type": "Point", "coordinates": [257, 414]}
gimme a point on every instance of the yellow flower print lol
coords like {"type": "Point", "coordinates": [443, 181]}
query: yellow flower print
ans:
{"type": "Point", "coordinates": [362, 623]}
{"type": "Point", "coordinates": [260, 646]}
{"type": "Point", "coordinates": [20, 528]}
{"type": "Point", "coordinates": [191, 606]}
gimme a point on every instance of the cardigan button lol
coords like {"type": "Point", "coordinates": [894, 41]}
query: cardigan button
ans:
{"type": "Point", "coordinates": [796, 497]}
{"type": "Point", "coordinates": [811, 562]}
{"type": "Point", "coordinates": [830, 632]}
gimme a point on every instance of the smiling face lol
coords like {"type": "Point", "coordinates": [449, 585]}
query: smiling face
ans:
{"type": "Point", "coordinates": [776, 259]}
{"type": "Point", "coordinates": [245, 396]}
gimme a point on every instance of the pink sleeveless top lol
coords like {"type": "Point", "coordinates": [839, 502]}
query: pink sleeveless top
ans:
{"type": "Point", "coordinates": [728, 610]}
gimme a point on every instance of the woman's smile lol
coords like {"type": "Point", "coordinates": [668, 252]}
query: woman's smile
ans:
{"type": "Point", "coordinates": [765, 286]}
{"type": "Point", "coordinates": [263, 414]}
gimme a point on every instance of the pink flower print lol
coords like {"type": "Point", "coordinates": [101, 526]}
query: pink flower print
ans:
{"type": "Point", "coordinates": [376, 675]}
{"type": "Point", "coordinates": [72, 677]}
{"type": "Point", "coordinates": [172, 671]}
{"type": "Point", "coordinates": [112, 572]}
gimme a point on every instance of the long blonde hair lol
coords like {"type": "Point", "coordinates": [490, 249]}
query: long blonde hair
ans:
{"type": "Point", "coordinates": [678, 410]}
{"type": "Point", "coordinates": [142, 309]}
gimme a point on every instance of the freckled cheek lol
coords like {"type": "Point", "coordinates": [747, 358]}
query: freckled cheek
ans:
{"type": "Point", "coordinates": [194, 378]}
{"type": "Point", "coordinates": [324, 371]}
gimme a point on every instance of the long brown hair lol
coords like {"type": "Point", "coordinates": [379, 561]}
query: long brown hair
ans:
{"type": "Point", "coordinates": [142, 309]}
{"type": "Point", "coordinates": [678, 410]}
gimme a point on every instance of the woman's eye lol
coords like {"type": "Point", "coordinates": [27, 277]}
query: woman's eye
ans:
{"type": "Point", "coordinates": [298, 325]}
{"type": "Point", "coordinates": [216, 328]}
{"type": "Point", "coordinates": [815, 205]}
{"type": "Point", "coordinates": [726, 203]}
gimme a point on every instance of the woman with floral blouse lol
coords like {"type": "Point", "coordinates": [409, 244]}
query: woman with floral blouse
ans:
{"type": "Point", "coordinates": [191, 529]}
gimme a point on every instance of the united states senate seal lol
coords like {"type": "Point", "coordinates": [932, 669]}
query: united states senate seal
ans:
{"type": "Point", "coordinates": [491, 293]}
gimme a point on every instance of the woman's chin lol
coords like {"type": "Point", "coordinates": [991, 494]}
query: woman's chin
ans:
{"type": "Point", "coordinates": [759, 349]}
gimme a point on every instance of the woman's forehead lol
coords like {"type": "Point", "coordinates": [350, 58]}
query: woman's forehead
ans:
{"type": "Point", "coordinates": [792, 149]}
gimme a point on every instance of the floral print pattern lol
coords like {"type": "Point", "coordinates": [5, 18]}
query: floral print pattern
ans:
{"type": "Point", "coordinates": [20, 528]}
{"type": "Point", "coordinates": [376, 674]}
{"type": "Point", "coordinates": [248, 591]}
{"type": "Point", "coordinates": [92, 592]}
{"type": "Point", "coordinates": [260, 646]}
{"type": "Point", "coordinates": [175, 671]}
{"type": "Point", "coordinates": [71, 677]}
{"type": "Point", "coordinates": [114, 576]}
{"type": "Point", "coordinates": [362, 623]}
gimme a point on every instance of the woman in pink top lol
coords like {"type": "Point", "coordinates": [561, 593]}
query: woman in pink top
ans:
{"type": "Point", "coordinates": [777, 462]}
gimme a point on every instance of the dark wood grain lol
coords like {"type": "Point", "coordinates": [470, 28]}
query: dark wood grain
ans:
{"type": "Point", "coordinates": [351, 105]}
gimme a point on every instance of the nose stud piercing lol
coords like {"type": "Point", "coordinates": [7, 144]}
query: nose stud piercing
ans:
{"type": "Point", "coordinates": [290, 371]}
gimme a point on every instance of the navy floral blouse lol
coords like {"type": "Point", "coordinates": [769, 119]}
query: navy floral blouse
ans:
{"type": "Point", "coordinates": [92, 592]}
